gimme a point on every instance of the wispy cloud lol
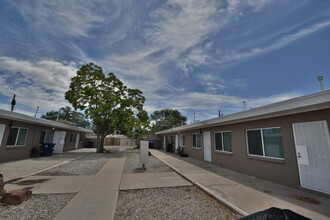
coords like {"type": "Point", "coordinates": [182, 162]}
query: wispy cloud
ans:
{"type": "Point", "coordinates": [74, 18]}
{"type": "Point", "coordinates": [178, 52]}
{"type": "Point", "coordinates": [207, 105]}
{"type": "Point", "coordinates": [42, 83]}
{"type": "Point", "coordinates": [180, 25]}
{"type": "Point", "coordinates": [215, 83]}
{"type": "Point", "coordinates": [233, 56]}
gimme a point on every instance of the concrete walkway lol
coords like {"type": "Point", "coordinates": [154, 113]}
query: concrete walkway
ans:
{"type": "Point", "coordinates": [23, 168]}
{"type": "Point", "coordinates": [97, 194]}
{"type": "Point", "coordinates": [243, 193]}
{"type": "Point", "coordinates": [98, 197]}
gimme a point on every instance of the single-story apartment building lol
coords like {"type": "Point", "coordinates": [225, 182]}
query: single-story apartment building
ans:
{"type": "Point", "coordinates": [286, 142]}
{"type": "Point", "coordinates": [19, 133]}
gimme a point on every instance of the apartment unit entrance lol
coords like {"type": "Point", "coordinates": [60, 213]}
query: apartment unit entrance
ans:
{"type": "Point", "coordinates": [207, 146]}
{"type": "Point", "coordinates": [58, 139]}
{"type": "Point", "coordinates": [312, 144]}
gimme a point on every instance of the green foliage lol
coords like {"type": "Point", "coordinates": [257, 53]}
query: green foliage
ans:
{"type": "Point", "coordinates": [51, 115]}
{"type": "Point", "coordinates": [114, 108]}
{"type": "Point", "coordinates": [67, 114]}
{"type": "Point", "coordinates": [167, 118]}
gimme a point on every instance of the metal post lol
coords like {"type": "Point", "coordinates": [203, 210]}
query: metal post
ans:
{"type": "Point", "coordinates": [13, 102]}
{"type": "Point", "coordinates": [320, 79]}
{"type": "Point", "coordinates": [35, 115]}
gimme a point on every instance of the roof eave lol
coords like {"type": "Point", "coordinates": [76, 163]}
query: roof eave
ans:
{"type": "Point", "coordinates": [316, 101]}
{"type": "Point", "coordinates": [39, 121]}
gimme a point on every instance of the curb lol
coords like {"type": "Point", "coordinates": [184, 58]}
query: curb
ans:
{"type": "Point", "coordinates": [208, 191]}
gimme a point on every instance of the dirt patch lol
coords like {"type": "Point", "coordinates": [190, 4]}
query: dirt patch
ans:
{"type": "Point", "coordinates": [307, 199]}
{"type": "Point", "coordinates": [30, 182]}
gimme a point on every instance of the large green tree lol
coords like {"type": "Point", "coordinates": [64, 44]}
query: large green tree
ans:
{"type": "Point", "coordinates": [166, 118]}
{"type": "Point", "coordinates": [113, 107]}
{"type": "Point", "coordinates": [68, 114]}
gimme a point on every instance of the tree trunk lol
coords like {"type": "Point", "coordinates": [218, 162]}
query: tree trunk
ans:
{"type": "Point", "coordinates": [99, 145]}
{"type": "Point", "coordinates": [102, 142]}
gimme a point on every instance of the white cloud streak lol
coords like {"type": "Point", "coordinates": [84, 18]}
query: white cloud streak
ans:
{"type": "Point", "coordinates": [42, 83]}
{"type": "Point", "coordinates": [176, 38]}
{"type": "Point", "coordinates": [233, 56]}
{"type": "Point", "coordinates": [70, 17]}
{"type": "Point", "coordinates": [207, 105]}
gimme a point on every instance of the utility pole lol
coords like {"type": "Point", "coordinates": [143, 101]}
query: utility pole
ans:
{"type": "Point", "coordinates": [13, 102]}
{"type": "Point", "coordinates": [35, 115]}
{"type": "Point", "coordinates": [320, 79]}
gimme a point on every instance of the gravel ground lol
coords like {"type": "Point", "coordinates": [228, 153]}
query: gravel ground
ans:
{"type": "Point", "coordinates": [132, 163]}
{"type": "Point", "coordinates": [39, 207]}
{"type": "Point", "coordinates": [47, 206]}
{"type": "Point", "coordinates": [86, 165]}
{"type": "Point", "coordinates": [158, 203]}
{"type": "Point", "coordinates": [166, 203]}
{"type": "Point", "coordinates": [170, 203]}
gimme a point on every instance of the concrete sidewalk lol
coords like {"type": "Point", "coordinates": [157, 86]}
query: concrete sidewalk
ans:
{"type": "Point", "coordinates": [98, 198]}
{"type": "Point", "coordinates": [243, 193]}
{"type": "Point", "coordinates": [96, 195]}
{"type": "Point", "coordinates": [23, 168]}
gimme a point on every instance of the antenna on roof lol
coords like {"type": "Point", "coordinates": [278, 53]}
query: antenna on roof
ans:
{"type": "Point", "coordinates": [35, 115]}
{"type": "Point", "coordinates": [320, 79]}
{"type": "Point", "coordinates": [13, 102]}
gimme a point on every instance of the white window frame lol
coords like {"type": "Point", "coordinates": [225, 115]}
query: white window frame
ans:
{"type": "Point", "coordinates": [25, 138]}
{"type": "Point", "coordinates": [73, 138]}
{"type": "Point", "coordinates": [262, 142]}
{"type": "Point", "coordinates": [46, 132]}
{"type": "Point", "coordinates": [81, 137]}
{"type": "Point", "coordinates": [182, 140]}
{"type": "Point", "coordinates": [223, 146]}
{"type": "Point", "coordinates": [200, 136]}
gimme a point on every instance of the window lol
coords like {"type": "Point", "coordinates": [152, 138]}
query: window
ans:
{"type": "Point", "coordinates": [182, 140]}
{"type": "Point", "coordinates": [81, 137]}
{"type": "Point", "coordinates": [2, 131]}
{"type": "Point", "coordinates": [265, 142]}
{"type": "Point", "coordinates": [73, 137]}
{"type": "Point", "coordinates": [45, 137]}
{"type": "Point", "coordinates": [197, 140]}
{"type": "Point", "coordinates": [222, 141]}
{"type": "Point", "coordinates": [17, 136]}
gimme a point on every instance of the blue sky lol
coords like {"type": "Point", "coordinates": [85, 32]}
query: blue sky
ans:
{"type": "Point", "coordinates": [197, 56]}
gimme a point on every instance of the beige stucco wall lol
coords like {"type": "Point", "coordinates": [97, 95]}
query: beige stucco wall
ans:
{"type": "Point", "coordinates": [34, 131]}
{"type": "Point", "coordinates": [281, 171]}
